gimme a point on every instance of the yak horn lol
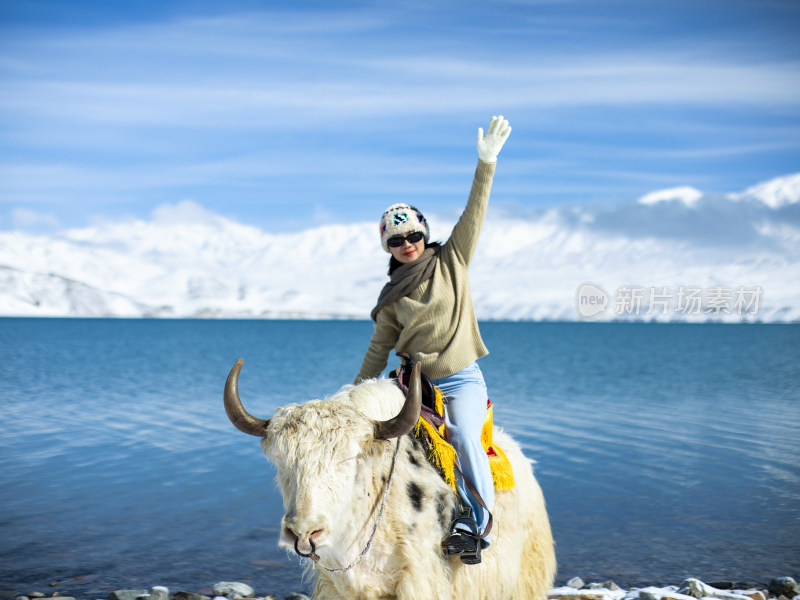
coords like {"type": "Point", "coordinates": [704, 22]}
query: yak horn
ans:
{"type": "Point", "coordinates": [242, 419]}
{"type": "Point", "coordinates": [409, 414]}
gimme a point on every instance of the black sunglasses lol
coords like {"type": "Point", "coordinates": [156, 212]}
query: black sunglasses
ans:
{"type": "Point", "coordinates": [398, 240]}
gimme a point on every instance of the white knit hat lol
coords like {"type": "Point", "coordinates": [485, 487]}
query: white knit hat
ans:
{"type": "Point", "coordinates": [402, 219]}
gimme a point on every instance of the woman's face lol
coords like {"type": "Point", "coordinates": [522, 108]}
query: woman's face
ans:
{"type": "Point", "coordinates": [408, 252]}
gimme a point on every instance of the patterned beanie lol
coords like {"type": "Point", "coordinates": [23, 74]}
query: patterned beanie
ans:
{"type": "Point", "coordinates": [402, 219]}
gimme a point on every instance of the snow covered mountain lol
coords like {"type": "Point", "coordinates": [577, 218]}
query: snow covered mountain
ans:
{"type": "Point", "coordinates": [662, 249]}
{"type": "Point", "coordinates": [775, 193]}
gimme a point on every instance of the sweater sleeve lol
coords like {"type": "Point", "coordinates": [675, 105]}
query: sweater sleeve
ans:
{"type": "Point", "coordinates": [384, 337]}
{"type": "Point", "coordinates": [464, 237]}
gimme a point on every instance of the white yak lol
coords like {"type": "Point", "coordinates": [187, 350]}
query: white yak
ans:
{"type": "Point", "coordinates": [336, 458]}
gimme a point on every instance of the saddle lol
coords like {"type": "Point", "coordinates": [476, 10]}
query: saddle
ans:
{"type": "Point", "coordinates": [431, 430]}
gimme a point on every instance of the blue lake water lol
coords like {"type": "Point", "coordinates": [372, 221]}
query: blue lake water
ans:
{"type": "Point", "coordinates": [664, 450]}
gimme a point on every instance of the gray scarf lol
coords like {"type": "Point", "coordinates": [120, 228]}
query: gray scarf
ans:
{"type": "Point", "coordinates": [406, 278]}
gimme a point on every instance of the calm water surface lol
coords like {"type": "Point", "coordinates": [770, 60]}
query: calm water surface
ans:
{"type": "Point", "coordinates": [664, 451]}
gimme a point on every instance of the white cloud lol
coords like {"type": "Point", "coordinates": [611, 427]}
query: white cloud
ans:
{"type": "Point", "coordinates": [685, 194]}
{"type": "Point", "coordinates": [305, 97]}
{"type": "Point", "coordinates": [690, 216]}
{"type": "Point", "coordinates": [266, 69]}
{"type": "Point", "coordinates": [23, 218]}
{"type": "Point", "coordinates": [184, 212]}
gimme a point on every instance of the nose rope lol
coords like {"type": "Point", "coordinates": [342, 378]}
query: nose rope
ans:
{"type": "Point", "coordinates": [313, 554]}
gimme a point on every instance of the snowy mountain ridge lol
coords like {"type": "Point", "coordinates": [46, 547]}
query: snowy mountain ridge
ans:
{"type": "Point", "coordinates": [186, 261]}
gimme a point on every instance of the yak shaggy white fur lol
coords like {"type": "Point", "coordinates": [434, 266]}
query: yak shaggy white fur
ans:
{"type": "Point", "coordinates": [332, 474]}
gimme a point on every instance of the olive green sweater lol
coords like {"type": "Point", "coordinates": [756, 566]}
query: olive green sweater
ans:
{"type": "Point", "coordinates": [435, 323]}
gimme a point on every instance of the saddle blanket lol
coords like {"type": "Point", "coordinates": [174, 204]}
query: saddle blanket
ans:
{"type": "Point", "coordinates": [443, 456]}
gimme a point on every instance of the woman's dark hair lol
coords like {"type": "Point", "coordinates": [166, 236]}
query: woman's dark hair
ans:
{"type": "Point", "coordinates": [394, 263]}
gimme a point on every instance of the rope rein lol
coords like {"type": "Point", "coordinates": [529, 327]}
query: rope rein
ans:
{"type": "Point", "coordinates": [313, 554]}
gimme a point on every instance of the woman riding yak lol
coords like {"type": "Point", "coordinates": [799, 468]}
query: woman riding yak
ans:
{"type": "Point", "coordinates": [425, 312]}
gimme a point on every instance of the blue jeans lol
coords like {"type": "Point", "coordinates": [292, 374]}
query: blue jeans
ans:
{"type": "Point", "coordinates": [465, 413]}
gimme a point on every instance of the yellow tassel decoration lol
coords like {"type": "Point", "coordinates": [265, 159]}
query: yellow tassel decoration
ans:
{"type": "Point", "coordinates": [443, 455]}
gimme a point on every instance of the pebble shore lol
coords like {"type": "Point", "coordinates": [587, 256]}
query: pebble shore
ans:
{"type": "Point", "coordinates": [780, 588]}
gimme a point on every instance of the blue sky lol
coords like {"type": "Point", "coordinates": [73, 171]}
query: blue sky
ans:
{"type": "Point", "coordinates": [291, 115]}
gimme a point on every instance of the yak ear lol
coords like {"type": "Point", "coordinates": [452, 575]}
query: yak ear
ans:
{"type": "Point", "coordinates": [241, 419]}
{"type": "Point", "coordinates": [408, 416]}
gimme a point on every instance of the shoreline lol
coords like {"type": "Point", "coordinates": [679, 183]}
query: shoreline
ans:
{"type": "Point", "coordinates": [779, 588]}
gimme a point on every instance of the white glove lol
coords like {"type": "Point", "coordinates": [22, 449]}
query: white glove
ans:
{"type": "Point", "coordinates": [489, 146]}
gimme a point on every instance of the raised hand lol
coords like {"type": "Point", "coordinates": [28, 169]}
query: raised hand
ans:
{"type": "Point", "coordinates": [489, 145]}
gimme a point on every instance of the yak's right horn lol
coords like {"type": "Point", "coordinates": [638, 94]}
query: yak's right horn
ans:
{"type": "Point", "coordinates": [242, 419]}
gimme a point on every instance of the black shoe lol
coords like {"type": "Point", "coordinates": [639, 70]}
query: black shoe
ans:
{"type": "Point", "coordinates": [463, 545]}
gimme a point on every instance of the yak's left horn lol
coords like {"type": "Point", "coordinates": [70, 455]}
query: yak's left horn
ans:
{"type": "Point", "coordinates": [242, 419]}
{"type": "Point", "coordinates": [409, 414]}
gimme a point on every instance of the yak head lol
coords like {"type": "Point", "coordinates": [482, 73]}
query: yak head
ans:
{"type": "Point", "coordinates": [332, 460]}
